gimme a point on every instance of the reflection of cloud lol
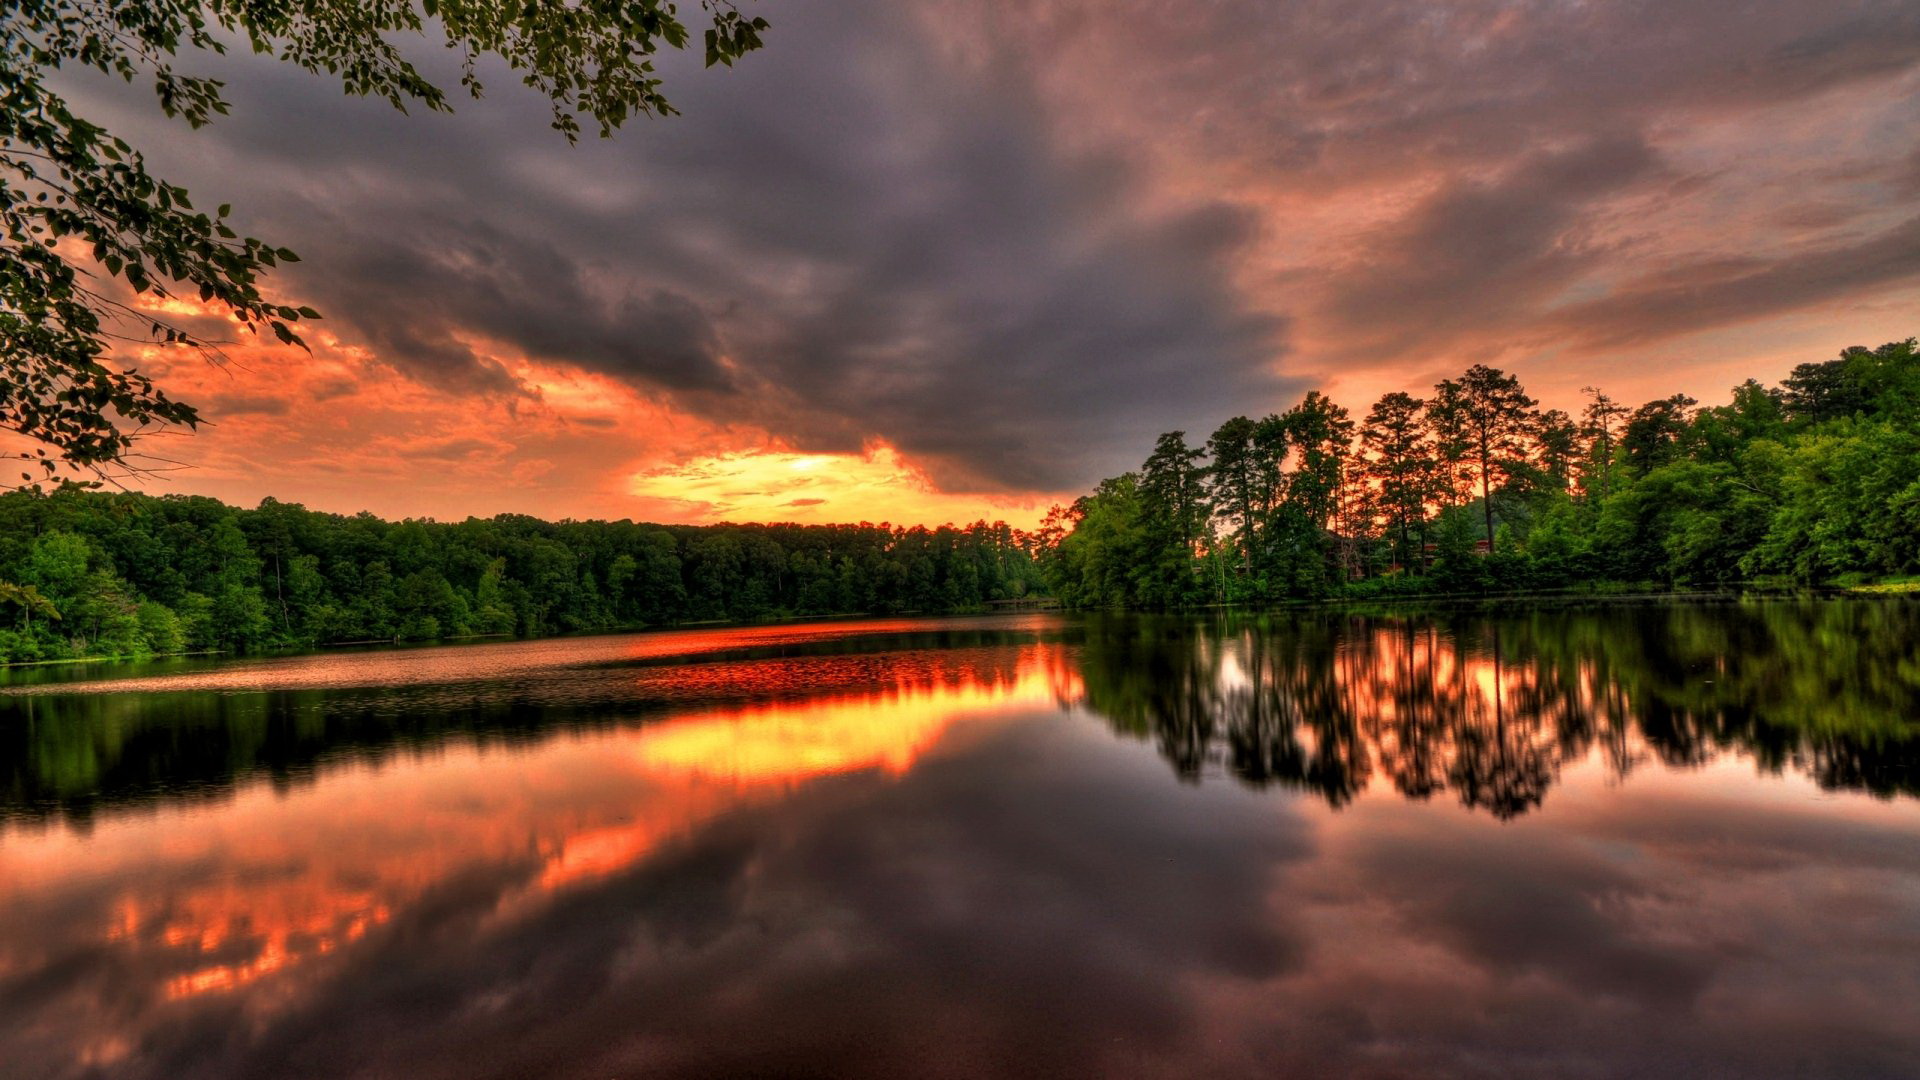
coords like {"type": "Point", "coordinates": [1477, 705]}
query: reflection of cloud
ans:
{"type": "Point", "coordinates": [265, 939]}
{"type": "Point", "coordinates": [1619, 937]}
{"type": "Point", "coordinates": [850, 927]}
{"type": "Point", "coordinates": [779, 745]}
{"type": "Point", "coordinates": [862, 882]}
{"type": "Point", "coordinates": [274, 896]}
{"type": "Point", "coordinates": [888, 730]}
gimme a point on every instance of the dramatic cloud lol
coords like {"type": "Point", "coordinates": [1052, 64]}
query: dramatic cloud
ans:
{"type": "Point", "coordinates": [1475, 254]}
{"type": "Point", "coordinates": [1016, 241]}
{"type": "Point", "coordinates": [1678, 300]}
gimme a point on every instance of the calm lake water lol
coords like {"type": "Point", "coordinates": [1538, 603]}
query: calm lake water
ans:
{"type": "Point", "coordinates": [1674, 839]}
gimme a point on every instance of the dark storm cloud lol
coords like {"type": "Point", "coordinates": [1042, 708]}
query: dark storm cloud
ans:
{"type": "Point", "coordinates": [890, 245]}
{"type": "Point", "coordinates": [1518, 910]}
{"type": "Point", "coordinates": [1477, 252]}
{"type": "Point", "coordinates": [1907, 174]}
{"type": "Point", "coordinates": [416, 298]}
{"type": "Point", "coordinates": [1324, 90]}
{"type": "Point", "coordinates": [246, 404]}
{"type": "Point", "coordinates": [1024, 359]}
{"type": "Point", "coordinates": [958, 227]}
{"type": "Point", "coordinates": [1684, 298]}
{"type": "Point", "coordinates": [1469, 101]}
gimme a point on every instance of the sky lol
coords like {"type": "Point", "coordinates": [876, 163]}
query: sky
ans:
{"type": "Point", "coordinates": [931, 260]}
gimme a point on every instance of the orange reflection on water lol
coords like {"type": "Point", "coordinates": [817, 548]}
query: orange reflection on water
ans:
{"type": "Point", "coordinates": [772, 747]}
{"type": "Point", "coordinates": [215, 898]}
{"type": "Point", "coordinates": [269, 939]}
{"type": "Point", "coordinates": [783, 743]}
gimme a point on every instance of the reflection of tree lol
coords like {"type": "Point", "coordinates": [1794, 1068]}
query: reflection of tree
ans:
{"type": "Point", "coordinates": [1488, 707]}
{"type": "Point", "coordinates": [1503, 766]}
{"type": "Point", "coordinates": [1292, 731]}
{"type": "Point", "coordinates": [1160, 681]}
{"type": "Point", "coordinates": [74, 755]}
{"type": "Point", "coordinates": [1885, 769]}
{"type": "Point", "coordinates": [1492, 707]}
{"type": "Point", "coordinates": [1191, 687]}
{"type": "Point", "coordinates": [1410, 724]}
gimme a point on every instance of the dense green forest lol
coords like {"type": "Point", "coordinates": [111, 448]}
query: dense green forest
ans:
{"type": "Point", "coordinates": [1470, 489]}
{"type": "Point", "coordinates": [88, 573]}
{"type": "Point", "coordinates": [1475, 489]}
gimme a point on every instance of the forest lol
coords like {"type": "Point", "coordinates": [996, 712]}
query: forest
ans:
{"type": "Point", "coordinates": [90, 573]}
{"type": "Point", "coordinates": [1471, 489]}
{"type": "Point", "coordinates": [1475, 489]}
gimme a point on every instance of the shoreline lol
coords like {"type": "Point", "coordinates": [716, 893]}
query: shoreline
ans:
{"type": "Point", "coordinates": [1636, 594]}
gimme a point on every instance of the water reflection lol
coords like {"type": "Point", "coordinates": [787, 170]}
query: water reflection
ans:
{"type": "Point", "coordinates": [277, 890]}
{"type": "Point", "coordinates": [193, 734]}
{"type": "Point", "coordinates": [884, 850]}
{"type": "Point", "coordinates": [1492, 708]}
{"type": "Point", "coordinates": [1488, 709]}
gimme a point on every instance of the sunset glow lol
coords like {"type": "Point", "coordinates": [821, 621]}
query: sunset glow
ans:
{"type": "Point", "coordinates": [1029, 258]}
{"type": "Point", "coordinates": [877, 485]}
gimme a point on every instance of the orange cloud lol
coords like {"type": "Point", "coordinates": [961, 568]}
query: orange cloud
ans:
{"type": "Point", "coordinates": [338, 428]}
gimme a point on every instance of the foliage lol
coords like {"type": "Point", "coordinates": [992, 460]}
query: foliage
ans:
{"type": "Point", "coordinates": [1816, 480]}
{"type": "Point", "coordinates": [1496, 418]}
{"type": "Point", "coordinates": [79, 209]}
{"type": "Point", "coordinates": [1400, 468]}
{"type": "Point", "coordinates": [97, 574]}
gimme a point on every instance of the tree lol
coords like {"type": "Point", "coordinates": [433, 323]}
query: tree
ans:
{"type": "Point", "coordinates": [160, 628]}
{"type": "Point", "coordinates": [1173, 502]}
{"type": "Point", "coordinates": [1653, 433]}
{"type": "Point", "coordinates": [1234, 481]}
{"type": "Point", "coordinates": [1098, 563]}
{"type": "Point", "coordinates": [1883, 381]}
{"type": "Point", "coordinates": [1397, 447]}
{"type": "Point", "coordinates": [1820, 392]}
{"type": "Point", "coordinates": [1494, 411]}
{"type": "Point", "coordinates": [1600, 419]}
{"type": "Point", "coordinates": [1322, 438]}
{"type": "Point", "coordinates": [57, 563]}
{"type": "Point", "coordinates": [1888, 379]}
{"type": "Point", "coordinates": [1559, 442]}
{"type": "Point", "coordinates": [1722, 432]}
{"type": "Point", "coordinates": [1446, 427]}
{"type": "Point", "coordinates": [30, 601]}
{"type": "Point", "coordinates": [79, 209]}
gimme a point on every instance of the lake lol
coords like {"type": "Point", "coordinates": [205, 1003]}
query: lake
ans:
{"type": "Point", "coordinates": [1632, 839]}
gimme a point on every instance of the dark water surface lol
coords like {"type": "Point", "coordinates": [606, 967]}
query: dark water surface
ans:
{"type": "Point", "coordinates": [1654, 840]}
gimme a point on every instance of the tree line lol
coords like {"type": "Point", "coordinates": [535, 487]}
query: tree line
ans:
{"type": "Point", "coordinates": [1474, 488]}
{"type": "Point", "coordinates": [89, 573]}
